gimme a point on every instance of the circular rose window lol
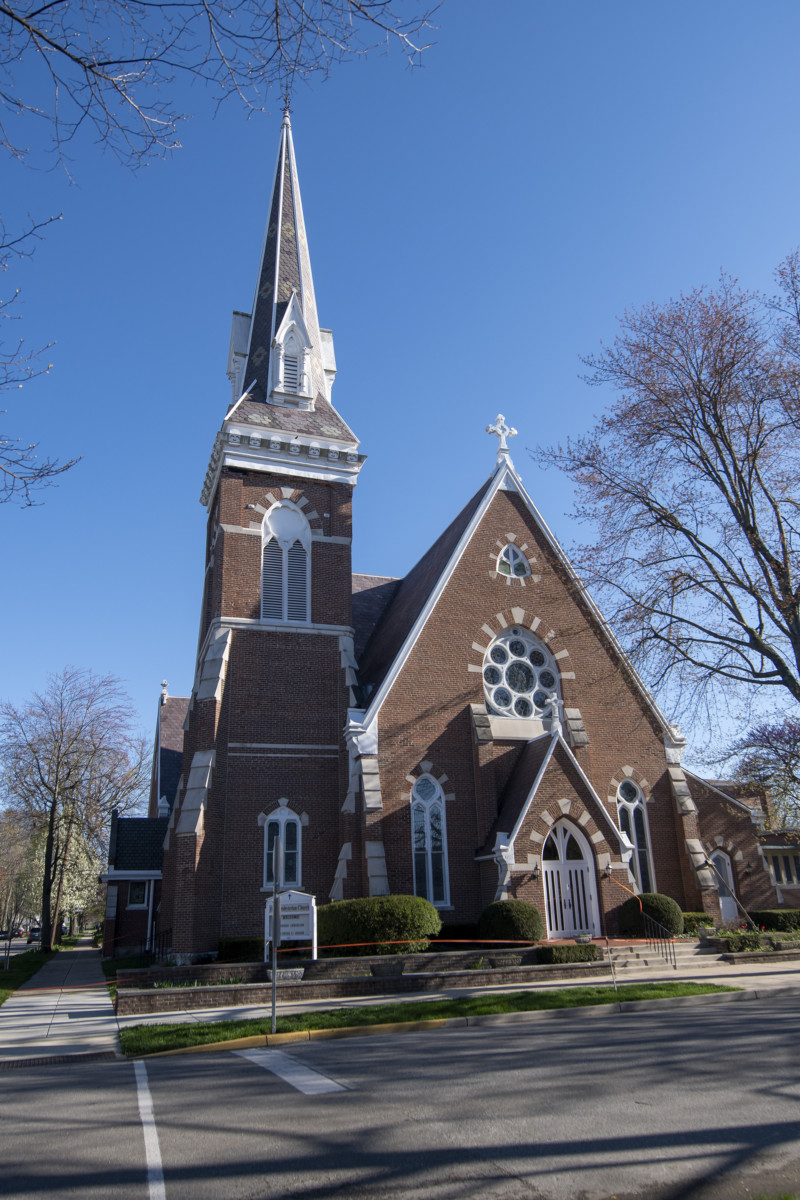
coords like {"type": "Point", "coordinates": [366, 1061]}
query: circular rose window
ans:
{"type": "Point", "coordinates": [520, 678]}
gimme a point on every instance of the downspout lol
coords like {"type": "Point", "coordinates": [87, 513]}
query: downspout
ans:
{"type": "Point", "coordinates": [147, 944]}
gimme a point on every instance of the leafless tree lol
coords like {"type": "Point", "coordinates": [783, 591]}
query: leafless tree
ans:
{"type": "Point", "coordinates": [22, 472]}
{"type": "Point", "coordinates": [110, 70]}
{"type": "Point", "coordinates": [68, 757]}
{"type": "Point", "coordinates": [768, 760]}
{"type": "Point", "coordinates": [691, 480]}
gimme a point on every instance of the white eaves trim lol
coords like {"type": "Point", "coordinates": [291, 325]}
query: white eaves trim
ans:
{"type": "Point", "coordinates": [112, 875]}
{"type": "Point", "coordinates": [506, 479]}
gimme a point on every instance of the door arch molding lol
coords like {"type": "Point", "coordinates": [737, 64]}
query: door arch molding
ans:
{"type": "Point", "coordinates": [570, 882]}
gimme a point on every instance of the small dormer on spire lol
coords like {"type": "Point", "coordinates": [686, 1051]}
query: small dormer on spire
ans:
{"type": "Point", "coordinates": [278, 354]}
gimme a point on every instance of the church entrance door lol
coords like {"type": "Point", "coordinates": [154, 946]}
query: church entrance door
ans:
{"type": "Point", "coordinates": [568, 871]}
{"type": "Point", "coordinates": [727, 904]}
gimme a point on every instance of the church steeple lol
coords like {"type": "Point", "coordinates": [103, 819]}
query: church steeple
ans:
{"type": "Point", "coordinates": [281, 364]}
{"type": "Point", "coordinates": [279, 355]}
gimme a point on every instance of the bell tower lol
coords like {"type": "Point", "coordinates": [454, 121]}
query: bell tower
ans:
{"type": "Point", "coordinates": [275, 667]}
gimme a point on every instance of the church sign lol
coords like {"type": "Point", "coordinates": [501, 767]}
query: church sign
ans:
{"type": "Point", "coordinates": [297, 920]}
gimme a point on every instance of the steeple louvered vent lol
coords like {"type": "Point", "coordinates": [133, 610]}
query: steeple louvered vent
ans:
{"type": "Point", "coordinates": [291, 373]}
{"type": "Point", "coordinates": [272, 582]}
{"type": "Point", "coordinates": [297, 584]}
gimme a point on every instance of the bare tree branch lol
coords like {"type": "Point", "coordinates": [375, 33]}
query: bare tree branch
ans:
{"type": "Point", "coordinates": [692, 479]}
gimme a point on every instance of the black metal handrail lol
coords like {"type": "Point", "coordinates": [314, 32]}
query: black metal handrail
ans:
{"type": "Point", "coordinates": [660, 939]}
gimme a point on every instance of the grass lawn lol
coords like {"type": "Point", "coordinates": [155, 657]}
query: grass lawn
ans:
{"type": "Point", "coordinates": [147, 1039]}
{"type": "Point", "coordinates": [22, 967]}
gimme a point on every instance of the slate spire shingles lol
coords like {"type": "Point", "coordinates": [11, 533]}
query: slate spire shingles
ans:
{"type": "Point", "coordinates": [285, 268]}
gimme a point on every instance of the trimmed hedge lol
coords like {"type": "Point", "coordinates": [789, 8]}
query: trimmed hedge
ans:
{"type": "Point", "coordinates": [364, 926]}
{"type": "Point", "coordinates": [566, 954]}
{"type": "Point", "coordinates": [511, 921]}
{"type": "Point", "coordinates": [778, 920]}
{"type": "Point", "coordinates": [692, 921]}
{"type": "Point", "coordinates": [241, 949]}
{"type": "Point", "coordinates": [661, 908]}
{"type": "Point", "coordinates": [736, 942]}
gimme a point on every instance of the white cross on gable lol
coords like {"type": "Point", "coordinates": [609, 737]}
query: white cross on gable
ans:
{"type": "Point", "coordinates": [501, 431]}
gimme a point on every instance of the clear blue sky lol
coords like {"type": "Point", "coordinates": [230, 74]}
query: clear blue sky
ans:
{"type": "Point", "coordinates": [475, 226]}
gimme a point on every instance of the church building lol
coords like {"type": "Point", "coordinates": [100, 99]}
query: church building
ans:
{"type": "Point", "coordinates": [470, 732]}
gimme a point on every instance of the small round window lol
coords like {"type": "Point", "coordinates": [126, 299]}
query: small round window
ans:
{"type": "Point", "coordinates": [520, 678]}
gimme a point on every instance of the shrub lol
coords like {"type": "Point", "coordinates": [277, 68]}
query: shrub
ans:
{"type": "Point", "coordinates": [365, 926]}
{"type": "Point", "coordinates": [511, 921]}
{"type": "Point", "coordinates": [736, 942]}
{"type": "Point", "coordinates": [455, 935]}
{"type": "Point", "coordinates": [566, 954]}
{"type": "Point", "coordinates": [781, 920]}
{"type": "Point", "coordinates": [692, 921]}
{"type": "Point", "coordinates": [661, 908]}
{"type": "Point", "coordinates": [241, 949]}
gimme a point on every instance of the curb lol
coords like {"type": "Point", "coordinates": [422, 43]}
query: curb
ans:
{"type": "Point", "coordinates": [490, 1019]}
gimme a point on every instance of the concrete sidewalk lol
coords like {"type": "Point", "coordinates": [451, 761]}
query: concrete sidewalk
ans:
{"type": "Point", "coordinates": [64, 1009]}
{"type": "Point", "coordinates": [763, 977]}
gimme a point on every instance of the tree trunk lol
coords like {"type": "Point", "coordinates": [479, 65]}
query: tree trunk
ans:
{"type": "Point", "coordinates": [46, 943]}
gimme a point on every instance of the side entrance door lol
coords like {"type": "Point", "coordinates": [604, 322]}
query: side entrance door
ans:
{"type": "Point", "coordinates": [568, 872]}
{"type": "Point", "coordinates": [727, 904]}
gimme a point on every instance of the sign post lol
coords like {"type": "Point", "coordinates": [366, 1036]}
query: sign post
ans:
{"type": "Point", "coordinates": [277, 878]}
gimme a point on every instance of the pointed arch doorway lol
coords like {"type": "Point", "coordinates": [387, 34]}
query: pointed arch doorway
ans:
{"type": "Point", "coordinates": [569, 883]}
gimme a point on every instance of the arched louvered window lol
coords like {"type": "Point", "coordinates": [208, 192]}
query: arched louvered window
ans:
{"type": "Point", "coordinates": [286, 565]}
{"type": "Point", "coordinates": [291, 372]}
{"type": "Point", "coordinates": [633, 822]}
{"type": "Point", "coordinates": [429, 841]}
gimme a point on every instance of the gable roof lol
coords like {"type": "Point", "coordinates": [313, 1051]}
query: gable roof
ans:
{"type": "Point", "coordinates": [523, 786]}
{"type": "Point", "coordinates": [371, 595]}
{"type": "Point", "coordinates": [410, 598]}
{"type": "Point", "coordinates": [405, 618]}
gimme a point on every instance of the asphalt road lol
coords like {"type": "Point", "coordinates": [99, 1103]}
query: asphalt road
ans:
{"type": "Point", "coordinates": [698, 1103]}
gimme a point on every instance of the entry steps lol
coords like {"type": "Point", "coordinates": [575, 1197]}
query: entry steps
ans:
{"type": "Point", "coordinates": [641, 961]}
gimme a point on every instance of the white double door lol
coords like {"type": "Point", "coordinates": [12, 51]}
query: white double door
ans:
{"type": "Point", "coordinates": [569, 887]}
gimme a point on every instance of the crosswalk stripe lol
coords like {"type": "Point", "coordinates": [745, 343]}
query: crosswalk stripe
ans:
{"type": "Point", "coordinates": [310, 1083]}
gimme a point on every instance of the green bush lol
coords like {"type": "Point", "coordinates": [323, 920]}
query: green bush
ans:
{"type": "Point", "coordinates": [566, 954]}
{"type": "Point", "coordinates": [779, 920]}
{"type": "Point", "coordinates": [692, 921]}
{"type": "Point", "coordinates": [661, 908]}
{"type": "Point", "coordinates": [511, 921]}
{"type": "Point", "coordinates": [241, 949]}
{"type": "Point", "coordinates": [736, 942]}
{"type": "Point", "coordinates": [366, 926]}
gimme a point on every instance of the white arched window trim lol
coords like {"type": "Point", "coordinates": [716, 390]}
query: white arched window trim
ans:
{"type": "Point", "coordinates": [291, 827]}
{"type": "Point", "coordinates": [286, 565]}
{"type": "Point", "coordinates": [632, 820]}
{"type": "Point", "coordinates": [429, 842]}
{"type": "Point", "coordinates": [512, 563]}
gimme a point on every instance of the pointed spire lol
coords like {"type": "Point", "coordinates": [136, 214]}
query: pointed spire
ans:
{"type": "Point", "coordinates": [284, 281]}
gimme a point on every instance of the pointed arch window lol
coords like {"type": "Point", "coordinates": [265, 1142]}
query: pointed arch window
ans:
{"type": "Point", "coordinates": [285, 565]}
{"type": "Point", "coordinates": [429, 842]}
{"type": "Point", "coordinates": [289, 824]}
{"type": "Point", "coordinates": [511, 561]}
{"type": "Point", "coordinates": [633, 822]}
{"type": "Point", "coordinates": [520, 676]}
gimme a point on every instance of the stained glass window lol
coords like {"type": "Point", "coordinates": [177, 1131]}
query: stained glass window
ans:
{"type": "Point", "coordinates": [286, 820]}
{"type": "Point", "coordinates": [520, 677]}
{"type": "Point", "coordinates": [633, 823]}
{"type": "Point", "coordinates": [511, 561]}
{"type": "Point", "coordinates": [429, 841]}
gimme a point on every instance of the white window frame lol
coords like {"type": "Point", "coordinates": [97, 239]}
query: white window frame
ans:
{"type": "Point", "coordinates": [286, 545]}
{"type": "Point", "coordinates": [550, 708]}
{"type": "Point", "coordinates": [418, 804]}
{"type": "Point", "coordinates": [513, 557]}
{"type": "Point", "coordinates": [282, 816]}
{"type": "Point", "coordinates": [147, 885]}
{"type": "Point", "coordinates": [632, 806]}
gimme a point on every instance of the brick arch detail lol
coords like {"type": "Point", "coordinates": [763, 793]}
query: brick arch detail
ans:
{"type": "Point", "coordinates": [638, 778]}
{"type": "Point", "coordinates": [573, 810]}
{"type": "Point", "coordinates": [427, 768]}
{"type": "Point", "coordinates": [275, 494]}
{"type": "Point", "coordinates": [523, 548]}
{"type": "Point", "coordinates": [520, 616]}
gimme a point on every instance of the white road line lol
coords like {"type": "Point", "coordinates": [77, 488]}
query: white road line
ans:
{"type": "Point", "coordinates": [152, 1150]}
{"type": "Point", "coordinates": [309, 1082]}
